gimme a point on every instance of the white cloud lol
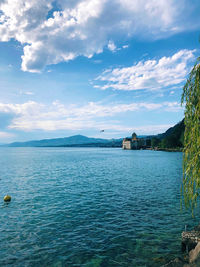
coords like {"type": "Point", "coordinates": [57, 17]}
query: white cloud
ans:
{"type": "Point", "coordinates": [21, 92]}
{"type": "Point", "coordinates": [5, 136]}
{"type": "Point", "coordinates": [150, 74]}
{"type": "Point", "coordinates": [55, 31]}
{"type": "Point", "coordinates": [28, 93]}
{"type": "Point", "coordinates": [125, 46]}
{"type": "Point", "coordinates": [97, 61]}
{"type": "Point", "coordinates": [111, 46]}
{"type": "Point", "coordinates": [57, 116]}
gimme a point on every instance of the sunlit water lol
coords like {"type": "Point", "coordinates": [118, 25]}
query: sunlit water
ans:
{"type": "Point", "coordinates": [90, 207]}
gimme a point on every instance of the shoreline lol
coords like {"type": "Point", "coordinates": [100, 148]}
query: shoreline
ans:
{"type": "Point", "coordinates": [168, 149]}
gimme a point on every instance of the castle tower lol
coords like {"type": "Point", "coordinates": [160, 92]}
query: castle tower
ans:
{"type": "Point", "coordinates": [134, 136]}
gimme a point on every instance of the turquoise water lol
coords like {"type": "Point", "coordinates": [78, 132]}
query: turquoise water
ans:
{"type": "Point", "coordinates": [90, 207]}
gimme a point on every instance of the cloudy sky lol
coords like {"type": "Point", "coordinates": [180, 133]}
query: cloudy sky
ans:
{"type": "Point", "coordinates": [79, 66]}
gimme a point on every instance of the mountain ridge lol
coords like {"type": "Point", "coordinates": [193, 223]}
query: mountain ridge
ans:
{"type": "Point", "coordinates": [64, 141]}
{"type": "Point", "coordinates": [173, 137]}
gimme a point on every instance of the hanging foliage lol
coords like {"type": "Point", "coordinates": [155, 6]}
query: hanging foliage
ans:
{"type": "Point", "coordinates": [191, 155]}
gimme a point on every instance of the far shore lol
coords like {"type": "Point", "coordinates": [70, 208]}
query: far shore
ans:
{"type": "Point", "coordinates": [179, 149]}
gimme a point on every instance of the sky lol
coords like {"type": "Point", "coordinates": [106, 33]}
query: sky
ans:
{"type": "Point", "coordinates": [72, 67]}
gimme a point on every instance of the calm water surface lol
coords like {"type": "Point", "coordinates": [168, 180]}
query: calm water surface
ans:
{"type": "Point", "coordinates": [90, 207]}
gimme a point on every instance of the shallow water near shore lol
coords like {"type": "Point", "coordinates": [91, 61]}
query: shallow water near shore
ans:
{"type": "Point", "coordinates": [90, 207]}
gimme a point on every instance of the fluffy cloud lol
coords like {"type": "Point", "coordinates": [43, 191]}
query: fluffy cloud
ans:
{"type": "Point", "coordinates": [6, 135]}
{"type": "Point", "coordinates": [150, 74]}
{"type": "Point", "coordinates": [55, 31]}
{"type": "Point", "coordinates": [111, 46]}
{"type": "Point", "coordinates": [35, 116]}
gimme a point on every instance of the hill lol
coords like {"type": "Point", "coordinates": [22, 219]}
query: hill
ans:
{"type": "Point", "coordinates": [76, 140]}
{"type": "Point", "coordinates": [172, 138]}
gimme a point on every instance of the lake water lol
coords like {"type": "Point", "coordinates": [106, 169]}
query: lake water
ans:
{"type": "Point", "coordinates": [91, 207]}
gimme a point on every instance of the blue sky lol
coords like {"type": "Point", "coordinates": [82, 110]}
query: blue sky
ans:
{"type": "Point", "coordinates": [77, 67]}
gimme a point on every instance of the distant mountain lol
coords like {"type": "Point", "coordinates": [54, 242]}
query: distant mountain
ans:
{"type": "Point", "coordinates": [172, 138]}
{"type": "Point", "coordinates": [76, 140]}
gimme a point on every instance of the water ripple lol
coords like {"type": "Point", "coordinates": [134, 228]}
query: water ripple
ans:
{"type": "Point", "coordinates": [90, 207]}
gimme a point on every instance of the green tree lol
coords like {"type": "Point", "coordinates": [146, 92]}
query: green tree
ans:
{"type": "Point", "coordinates": [191, 156]}
{"type": "Point", "coordinates": [171, 141]}
{"type": "Point", "coordinates": [155, 142]}
{"type": "Point", "coordinates": [163, 143]}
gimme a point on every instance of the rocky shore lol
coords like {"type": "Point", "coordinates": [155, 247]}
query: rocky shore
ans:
{"type": "Point", "coordinates": [190, 248]}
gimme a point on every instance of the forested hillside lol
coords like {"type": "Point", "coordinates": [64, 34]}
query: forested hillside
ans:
{"type": "Point", "coordinates": [172, 138]}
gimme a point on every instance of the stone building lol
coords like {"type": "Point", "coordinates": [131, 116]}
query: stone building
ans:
{"type": "Point", "coordinates": [134, 142]}
{"type": "Point", "coordinates": [127, 144]}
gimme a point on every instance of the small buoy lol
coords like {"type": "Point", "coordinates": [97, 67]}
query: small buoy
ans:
{"type": "Point", "coordinates": [7, 198]}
